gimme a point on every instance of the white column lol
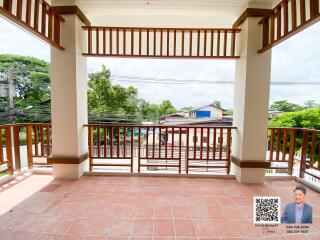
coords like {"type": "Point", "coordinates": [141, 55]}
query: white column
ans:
{"type": "Point", "coordinates": [69, 102]}
{"type": "Point", "coordinates": [251, 103]}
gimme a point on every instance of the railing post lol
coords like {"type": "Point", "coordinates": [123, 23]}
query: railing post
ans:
{"type": "Point", "coordinates": [304, 151]}
{"type": "Point", "coordinates": [29, 146]}
{"type": "Point", "coordinates": [9, 149]}
{"type": "Point", "coordinates": [16, 146]}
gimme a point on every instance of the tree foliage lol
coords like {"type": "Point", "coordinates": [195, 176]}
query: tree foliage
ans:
{"type": "Point", "coordinates": [285, 106]}
{"type": "Point", "coordinates": [308, 118]}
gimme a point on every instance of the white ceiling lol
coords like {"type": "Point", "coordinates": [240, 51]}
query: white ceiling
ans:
{"type": "Point", "coordinates": [165, 13]}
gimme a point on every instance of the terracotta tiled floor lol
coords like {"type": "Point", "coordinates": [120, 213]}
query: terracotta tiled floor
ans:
{"type": "Point", "coordinates": [37, 207]}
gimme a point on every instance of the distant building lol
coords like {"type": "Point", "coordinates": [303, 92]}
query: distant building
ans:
{"type": "Point", "coordinates": [273, 114]}
{"type": "Point", "coordinates": [208, 111]}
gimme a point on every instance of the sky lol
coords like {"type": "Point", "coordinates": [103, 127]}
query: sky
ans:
{"type": "Point", "coordinates": [297, 59]}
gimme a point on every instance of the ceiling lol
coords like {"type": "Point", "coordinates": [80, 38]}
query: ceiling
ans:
{"type": "Point", "coordinates": [165, 13]}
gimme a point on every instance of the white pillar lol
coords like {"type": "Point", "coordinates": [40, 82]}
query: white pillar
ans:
{"type": "Point", "coordinates": [69, 102]}
{"type": "Point", "coordinates": [251, 103]}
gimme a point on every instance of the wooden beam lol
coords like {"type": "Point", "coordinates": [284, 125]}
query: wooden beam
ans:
{"type": "Point", "coordinates": [252, 12]}
{"type": "Point", "coordinates": [72, 10]}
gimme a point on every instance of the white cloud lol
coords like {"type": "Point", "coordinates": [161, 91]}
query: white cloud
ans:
{"type": "Point", "coordinates": [294, 60]}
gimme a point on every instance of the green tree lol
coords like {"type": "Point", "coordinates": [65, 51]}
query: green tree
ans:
{"type": "Point", "coordinates": [166, 107]}
{"type": "Point", "coordinates": [285, 106]}
{"type": "Point", "coordinates": [308, 118]}
{"type": "Point", "coordinates": [103, 96]}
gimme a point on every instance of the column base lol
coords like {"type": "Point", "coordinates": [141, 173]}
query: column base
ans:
{"type": "Point", "coordinates": [70, 171]}
{"type": "Point", "coordinates": [248, 171]}
{"type": "Point", "coordinates": [69, 167]}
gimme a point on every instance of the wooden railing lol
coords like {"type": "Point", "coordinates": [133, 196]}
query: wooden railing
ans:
{"type": "Point", "coordinates": [6, 163]}
{"type": "Point", "coordinates": [160, 148]}
{"type": "Point", "coordinates": [288, 18]}
{"type": "Point", "coordinates": [36, 16]}
{"type": "Point", "coordinates": [161, 42]}
{"type": "Point", "coordinates": [289, 147]}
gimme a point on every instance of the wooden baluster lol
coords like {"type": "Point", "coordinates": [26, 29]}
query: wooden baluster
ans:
{"type": "Point", "coordinates": [313, 148]}
{"type": "Point", "coordinates": [272, 30]}
{"type": "Point", "coordinates": [132, 41]}
{"type": "Point", "coordinates": [16, 145]}
{"type": "Point", "coordinates": [28, 12]}
{"type": "Point", "coordinates": [41, 141]}
{"type": "Point", "coordinates": [104, 41]}
{"type": "Point", "coordinates": [7, 5]}
{"type": "Point", "coordinates": [233, 41]}
{"type": "Point", "coordinates": [50, 25]}
{"type": "Point", "coordinates": [228, 149]}
{"type": "Point", "coordinates": [279, 23]}
{"type": "Point", "coordinates": [139, 149]}
{"type": "Point", "coordinates": [56, 31]}
{"type": "Point", "coordinates": [48, 142]}
{"type": "Point", "coordinates": [314, 8]}
{"type": "Point", "coordinates": [19, 9]}
{"type": "Point", "coordinates": [29, 146]}
{"type": "Point", "coordinates": [154, 42]}
{"type": "Point", "coordinates": [293, 14]}
{"type": "Point", "coordinates": [212, 42]}
{"type": "Point", "coordinates": [218, 44]}
{"type": "Point", "coordinates": [36, 16]}
{"type": "Point", "coordinates": [148, 42]}
{"type": "Point", "coordinates": [1, 150]}
{"type": "Point", "coordinates": [198, 43]}
{"type": "Point", "coordinates": [147, 143]}
{"type": "Point", "coordinates": [44, 18]}
{"type": "Point", "coordinates": [221, 142]}
{"type": "Point", "coordinates": [271, 145]}
{"type": "Point", "coordinates": [105, 140]}
{"type": "Point", "coordinates": [285, 17]}
{"type": "Point", "coordinates": [97, 40]}
{"type": "Point", "coordinates": [111, 142]}
{"type": "Point", "coordinates": [225, 43]}
{"type": "Point", "coordinates": [140, 42]}
{"type": "Point", "coordinates": [172, 142]}
{"type": "Point", "coordinates": [182, 43]}
{"type": "Point", "coordinates": [132, 154]}
{"type": "Point", "coordinates": [205, 43]}
{"type": "Point", "coordinates": [265, 40]}
{"type": "Point", "coordinates": [201, 142]}
{"type": "Point", "coordinates": [187, 152]}
{"type": "Point", "coordinates": [8, 149]}
{"type": "Point", "coordinates": [194, 143]}
{"type": "Point", "coordinates": [161, 41]}
{"type": "Point", "coordinates": [291, 151]}
{"type": "Point", "coordinates": [36, 142]}
{"type": "Point", "coordinates": [160, 143]}
{"type": "Point", "coordinates": [304, 148]}
{"type": "Point", "coordinates": [190, 49]}
{"type": "Point", "coordinates": [91, 152]}
{"type": "Point", "coordinates": [180, 148]}
{"type": "Point", "coordinates": [124, 141]}
{"type": "Point", "coordinates": [174, 42]}
{"type": "Point", "coordinates": [99, 141]}
{"type": "Point", "coordinates": [110, 41]}
{"type": "Point", "coordinates": [118, 41]}
{"type": "Point", "coordinates": [302, 11]}
{"type": "Point", "coordinates": [208, 142]}
{"type": "Point", "coordinates": [278, 144]}
{"type": "Point", "coordinates": [168, 42]}
{"type": "Point", "coordinates": [118, 142]}
{"type": "Point", "coordinates": [166, 143]}
{"type": "Point", "coordinates": [284, 145]}
{"type": "Point", "coordinates": [214, 143]}
{"type": "Point", "coordinates": [124, 41]}
{"type": "Point", "coordinates": [153, 141]}
{"type": "Point", "coordinates": [89, 40]}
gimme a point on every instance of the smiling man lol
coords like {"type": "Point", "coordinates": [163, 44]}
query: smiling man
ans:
{"type": "Point", "coordinates": [298, 212]}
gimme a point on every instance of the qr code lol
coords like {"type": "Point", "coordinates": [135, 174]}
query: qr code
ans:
{"type": "Point", "coordinates": [266, 210]}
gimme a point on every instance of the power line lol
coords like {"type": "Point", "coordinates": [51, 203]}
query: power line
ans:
{"type": "Point", "coordinates": [136, 79]}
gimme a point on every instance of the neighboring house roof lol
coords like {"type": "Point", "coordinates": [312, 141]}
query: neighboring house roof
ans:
{"type": "Point", "coordinates": [199, 121]}
{"type": "Point", "coordinates": [209, 105]}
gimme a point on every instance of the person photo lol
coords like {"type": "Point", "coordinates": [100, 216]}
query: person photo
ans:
{"type": "Point", "coordinates": [297, 212]}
